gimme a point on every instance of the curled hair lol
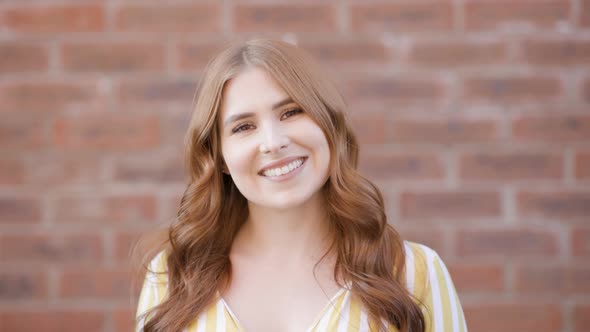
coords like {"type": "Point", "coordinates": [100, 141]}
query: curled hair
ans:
{"type": "Point", "coordinates": [370, 253]}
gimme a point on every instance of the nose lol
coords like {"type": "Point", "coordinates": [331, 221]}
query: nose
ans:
{"type": "Point", "coordinates": [273, 139]}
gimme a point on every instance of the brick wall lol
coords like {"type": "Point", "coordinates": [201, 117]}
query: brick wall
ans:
{"type": "Point", "coordinates": [473, 115]}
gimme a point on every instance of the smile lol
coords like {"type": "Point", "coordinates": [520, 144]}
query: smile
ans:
{"type": "Point", "coordinates": [284, 170]}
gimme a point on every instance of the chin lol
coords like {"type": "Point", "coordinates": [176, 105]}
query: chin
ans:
{"type": "Point", "coordinates": [281, 205]}
{"type": "Point", "coordinates": [284, 202]}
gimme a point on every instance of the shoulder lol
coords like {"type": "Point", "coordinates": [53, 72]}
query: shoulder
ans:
{"type": "Point", "coordinates": [157, 270]}
{"type": "Point", "coordinates": [158, 263]}
{"type": "Point", "coordinates": [154, 287]}
{"type": "Point", "coordinates": [422, 263]}
{"type": "Point", "coordinates": [419, 254]}
{"type": "Point", "coordinates": [431, 286]}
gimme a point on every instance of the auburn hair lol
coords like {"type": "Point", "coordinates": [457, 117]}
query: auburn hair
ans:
{"type": "Point", "coordinates": [370, 253]}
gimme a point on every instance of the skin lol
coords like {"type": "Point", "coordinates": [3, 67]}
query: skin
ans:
{"type": "Point", "coordinates": [273, 287]}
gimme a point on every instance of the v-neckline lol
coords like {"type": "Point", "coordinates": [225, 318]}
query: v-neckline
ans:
{"type": "Point", "coordinates": [314, 323]}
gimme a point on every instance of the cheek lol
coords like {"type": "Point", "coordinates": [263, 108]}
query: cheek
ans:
{"type": "Point", "coordinates": [237, 157]}
{"type": "Point", "coordinates": [317, 141]}
{"type": "Point", "coordinates": [317, 138]}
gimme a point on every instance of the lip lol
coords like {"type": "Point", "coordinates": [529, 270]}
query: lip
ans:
{"type": "Point", "coordinates": [288, 176]}
{"type": "Point", "coordinates": [280, 163]}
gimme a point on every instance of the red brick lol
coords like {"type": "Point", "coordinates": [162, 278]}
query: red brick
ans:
{"type": "Point", "coordinates": [73, 248]}
{"type": "Point", "coordinates": [124, 241]}
{"type": "Point", "coordinates": [401, 166]}
{"type": "Point", "coordinates": [560, 205]}
{"type": "Point", "coordinates": [284, 18]}
{"type": "Point", "coordinates": [174, 128]}
{"type": "Point", "coordinates": [63, 169]}
{"type": "Point", "coordinates": [450, 205]}
{"type": "Point", "coordinates": [581, 317]}
{"type": "Point", "coordinates": [110, 132]}
{"type": "Point", "coordinates": [445, 54]}
{"type": "Point", "coordinates": [553, 279]}
{"type": "Point", "coordinates": [169, 18]}
{"type": "Point", "coordinates": [552, 128]}
{"type": "Point", "coordinates": [392, 90]}
{"type": "Point", "coordinates": [522, 317]}
{"type": "Point", "coordinates": [11, 171]}
{"type": "Point", "coordinates": [18, 57]}
{"type": "Point", "coordinates": [580, 242]}
{"type": "Point", "coordinates": [103, 283]}
{"type": "Point", "coordinates": [510, 166]}
{"type": "Point", "coordinates": [442, 130]}
{"type": "Point", "coordinates": [124, 320]}
{"type": "Point", "coordinates": [52, 321]}
{"type": "Point", "coordinates": [345, 52]}
{"type": "Point", "coordinates": [402, 17]}
{"type": "Point", "coordinates": [431, 238]}
{"type": "Point", "coordinates": [557, 52]}
{"type": "Point", "coordinates": [21, 133]}
{"type": "Point", "coordinates": [585, 16]}
{"type": "Point", "coordinates": [477, 277]}
{"type": "Point", "coordinates": [130, 246]}
{"type": "Point", "coordinates": [20, 210]}
{"type": "Point", "coordinates": [158, 91]}
{"type": "Point", "coordinates": [585, 90]}
{"type": "Point", "coordinates": [502, 14]}
{"type": "Point", "coordinates": [165, 169]}
{"type": "Point", "coordinates": [105, 210]}
{"type": "Point", "coordinates": [506, 243]}
{"type": "Point", "coordinates": [511, 89]}
{"type": "Point", "coordinates": [369, 128]}
{"type": "Point", "coordinates": [197, 55]}
{"type": "Point", "coordinates": [55, 19]}
{"type": "Point", "coordinates": [23, 285]}
{"type": "Point", "coordinates": [170, 206]}
{"type": "Point", "coordinates": [113, 57]}
{"type": "Point", "coordinates": [45, 97]}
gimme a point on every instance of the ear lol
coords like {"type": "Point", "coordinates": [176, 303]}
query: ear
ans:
{"type": "Point", "coordinates": [224, 167]}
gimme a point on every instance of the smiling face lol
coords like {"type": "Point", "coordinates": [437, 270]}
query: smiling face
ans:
{"type": "Point", "coordinates": [276, 154]}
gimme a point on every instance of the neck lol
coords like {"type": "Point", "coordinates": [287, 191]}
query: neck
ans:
{"type": "Point", "coordinates": [290, 235]}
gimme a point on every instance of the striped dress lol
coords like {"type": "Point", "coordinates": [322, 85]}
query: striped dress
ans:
{"type": "Point", "coordinates": [427, 279]}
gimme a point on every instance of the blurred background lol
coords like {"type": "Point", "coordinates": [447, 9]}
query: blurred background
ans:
{"type": "Point", "coordinates": [473, 117]}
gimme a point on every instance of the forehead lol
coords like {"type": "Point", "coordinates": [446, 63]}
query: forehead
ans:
{"type": "Point", "coordinates": [251, 90]}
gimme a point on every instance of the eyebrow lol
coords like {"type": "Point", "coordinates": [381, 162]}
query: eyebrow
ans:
{"type": "Point", "coordinates": [239, 116]}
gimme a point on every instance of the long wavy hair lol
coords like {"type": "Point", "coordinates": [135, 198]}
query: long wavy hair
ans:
{"type": "Point", "coordinates": [370, 253]}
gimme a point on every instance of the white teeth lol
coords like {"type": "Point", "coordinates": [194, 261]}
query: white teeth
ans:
{"type": "Point", "coordinates": [285, 169]}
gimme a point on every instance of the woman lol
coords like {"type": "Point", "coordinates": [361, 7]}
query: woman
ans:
{"type": "Point", "coordinates": [277, 224]}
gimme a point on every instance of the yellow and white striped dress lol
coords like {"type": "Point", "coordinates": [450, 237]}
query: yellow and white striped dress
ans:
{"type": "Point", "coordinates": [427, 279]}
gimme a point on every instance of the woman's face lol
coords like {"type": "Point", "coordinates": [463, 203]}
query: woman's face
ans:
{"type": "Point", "coordinates": [276, 154]}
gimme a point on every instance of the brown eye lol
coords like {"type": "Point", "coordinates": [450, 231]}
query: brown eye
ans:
{"type": "Point", "coordinates": [242, 127]}
{"type": "Point", "coordinates": [291, 113]}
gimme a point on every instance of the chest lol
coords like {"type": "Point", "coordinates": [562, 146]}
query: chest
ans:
{"type": "Point", "coordinates": [271, 299]}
